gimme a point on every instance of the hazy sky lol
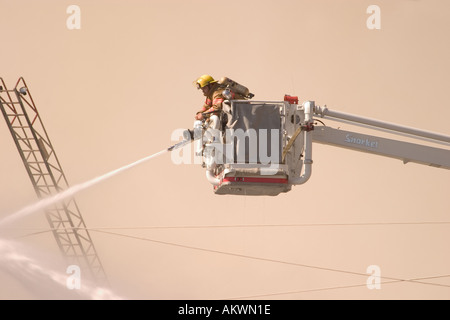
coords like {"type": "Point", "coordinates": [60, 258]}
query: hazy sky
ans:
{"type": "Point", "coordinates": [113, 91]}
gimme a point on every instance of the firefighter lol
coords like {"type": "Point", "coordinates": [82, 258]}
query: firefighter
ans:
{"type": "Point", "coordinates": [214, 98]}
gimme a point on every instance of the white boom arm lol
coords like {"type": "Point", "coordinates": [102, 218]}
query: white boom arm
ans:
{"type": "Point", "coordinates": [405, 151]}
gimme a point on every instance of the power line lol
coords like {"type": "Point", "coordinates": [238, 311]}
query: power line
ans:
{"type": "Point", "coordinates": [242, 226]}
{"type": "Point", "coordinates": [282, 225]}
{"type": "Point", "coordinates": [331, 288]}
{"type": "Point", "coordinates": [392, 280]}
{"type": "Point", "coordinates": [304, 291]}
{"type": "Point", "coordinates": [270, 260]}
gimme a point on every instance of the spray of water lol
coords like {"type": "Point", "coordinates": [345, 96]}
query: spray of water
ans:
{"type": "Point", "coordinates": [70, 192]}
{"type": "Point", "coordinates": [42, 281]}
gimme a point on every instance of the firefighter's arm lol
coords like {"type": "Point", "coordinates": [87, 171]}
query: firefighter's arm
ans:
{"type": "Point", "coordinates": [217, 100]}
{"type": "Point", "coordinates": [216, 107]}
{"type": "Point", "coordinates": [216, 103]}
{"type": "Point", "coordinates": [199, 115]}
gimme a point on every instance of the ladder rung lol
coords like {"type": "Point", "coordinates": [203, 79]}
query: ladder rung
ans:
{"type": "Point", "coordinates": [67, 231]}
{"type": "Point", "coordinates": [32, 150]}
{"type": "Point", "coordinates": [68, 244]}
{"type": "Point", "coordinates": [60, 230]}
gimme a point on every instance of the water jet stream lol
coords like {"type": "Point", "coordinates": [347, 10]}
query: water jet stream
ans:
{"type": "Point", "coordinates": [71, 191]}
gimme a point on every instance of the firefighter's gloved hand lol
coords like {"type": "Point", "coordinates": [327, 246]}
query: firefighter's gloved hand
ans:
{"type": "Point", "coordinates": [199, 116]}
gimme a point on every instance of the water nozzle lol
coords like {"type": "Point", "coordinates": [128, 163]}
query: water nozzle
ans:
{"type": "Point", "coordinates": [188, 135]}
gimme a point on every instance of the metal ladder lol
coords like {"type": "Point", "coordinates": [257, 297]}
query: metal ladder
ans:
{"type": "Point", "coordinates": [47, 177]}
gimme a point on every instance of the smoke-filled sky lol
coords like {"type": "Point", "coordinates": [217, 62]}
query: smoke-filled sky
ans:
{"type": "Point", "coordinates": [113, 83]}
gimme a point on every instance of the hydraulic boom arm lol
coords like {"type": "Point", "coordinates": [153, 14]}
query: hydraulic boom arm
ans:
{"type": "Point", "coordinates": [405, 151]}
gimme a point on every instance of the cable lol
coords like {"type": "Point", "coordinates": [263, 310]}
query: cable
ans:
{"type": "Point", "coordinates": [282, 225]}
{"type": "Point", "coordinates": [331, 288]}
{"type": "Point", "coordinates": [304, 291]}
{"type": "Point", "coordinates": [320, 122]}
{"type": "Point", "coordinates": [392, 280]}
{"type": "Point", "coordinates": [264, 259]}
{"type": "Point", "coordinates": [237, 226]}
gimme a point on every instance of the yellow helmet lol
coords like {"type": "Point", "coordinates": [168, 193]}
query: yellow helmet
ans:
{"type": "Point", "coordinates": [204, 80]}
